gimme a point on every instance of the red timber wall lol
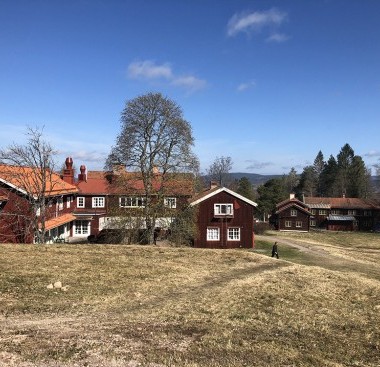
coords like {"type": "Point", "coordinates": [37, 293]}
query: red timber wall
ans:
{"type": "Point", "coordinates": [242, 218]}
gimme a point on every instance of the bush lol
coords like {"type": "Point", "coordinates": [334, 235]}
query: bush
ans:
{"type": "Point", "coordinates": [261, 227]}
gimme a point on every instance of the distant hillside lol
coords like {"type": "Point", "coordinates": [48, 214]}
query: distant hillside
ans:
{"type": "Point", "coordinates": [254, 178]}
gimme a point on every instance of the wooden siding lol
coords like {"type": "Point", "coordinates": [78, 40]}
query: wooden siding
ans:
{"type": "Point", "coordinates": [242, 218]}
{"type": "Point", "coordinates": [285, 218]}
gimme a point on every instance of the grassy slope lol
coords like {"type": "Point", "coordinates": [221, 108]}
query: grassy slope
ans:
{"type": "Point", "coordinates": [152, 306]}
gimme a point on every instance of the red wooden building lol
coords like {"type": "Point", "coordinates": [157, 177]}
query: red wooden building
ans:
{"type": "Point", "coordinates": [19, 187]}
{"type": "Point", "coordinates": [225, 219]}
{"type": "Point", "coordinates": [291, 215]}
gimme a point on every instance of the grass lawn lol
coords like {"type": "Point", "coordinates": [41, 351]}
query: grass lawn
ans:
{"type": "Point", "coordinates": [156, 306]}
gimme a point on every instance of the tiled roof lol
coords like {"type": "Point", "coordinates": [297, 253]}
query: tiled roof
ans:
{"type": "Point", "coordinates": [130, 183]}
{"type": "Point", "coordinates": [59, 221]}
{"type": "Point", "coordinates": [346, 203]}
{"type": "Point", "coordinates": [295, 201]}
{"type": "Point", "coordinates": [28, 181]}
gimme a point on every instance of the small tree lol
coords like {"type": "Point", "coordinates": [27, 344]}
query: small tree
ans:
{"type": "Point", "coordinates": [31, 167]}
{"type": "Point", "coordinates": [156, 143]}
{"type": "Point", "coordinates": [219, 170]}
{"type": "Point", "coordinates": [244, 187]}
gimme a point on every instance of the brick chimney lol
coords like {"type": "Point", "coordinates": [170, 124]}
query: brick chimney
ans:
{"type": "Point", "coordinates": [68, 172]}
{"type": "Point", "coordinates": [213, 185]}
{"type": "Point", "coordinates": [82, 176]}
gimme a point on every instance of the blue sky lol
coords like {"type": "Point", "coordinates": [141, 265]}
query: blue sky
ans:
{"type": "Point", "coordinates": [268, 83]}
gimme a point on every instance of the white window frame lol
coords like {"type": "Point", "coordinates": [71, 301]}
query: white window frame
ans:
{"type": "Point", "coordinates": [223, 209]}
{"type": "Point", "coordinates": [335, 211]}
{"type": "Point", "coordinates": [98, 202]}
{"type": "Point", "coordinates": [313, 222]}
{"type": "Point", "coordinates": [82, 228]}
{"type": "Point", "coordinates": [81, 202]}
{"type": "Point", "coordinates": [351, 212]}
{"type": "Point", "coordinates": [233, 234]}
{"type": "Point", "coordinates": [288, 223]}
{"type": "Point", "coordinates": [313, 211]}
{"type": "Point", "coordinates": [293, 212]}
{"type": "Point", "coordinates": [299, 224]}
{"type": "Point", "coordinates": [322, 212]}
{"type": "Point", "coordinates": [213, 234]}
{"type": "Point", "coordinates": [69, 199]}
{"type": "Point", "coordinates": [170, 202]}
{"type": "Point", "coordinates": [131, 202]}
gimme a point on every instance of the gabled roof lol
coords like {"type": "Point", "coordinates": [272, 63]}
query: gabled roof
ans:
{"type": "Point", "coordinates": [210, 193]}
{"type": "Point", "coordinates": [341, 203]}
{"type": "Point", "coordinates": [293, 204]}
{"type": "Point", "coordinates": [28, 181]}
{"type": "Point", "coordinates": [59, 221]}
{"type": "Point", "coordinates": [291, 201]}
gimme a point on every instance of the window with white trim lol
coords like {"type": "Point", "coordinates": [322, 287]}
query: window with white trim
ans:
{"type": "Point", "coordinates": [131, 202]}
{"type": "Point", "coordinates": [80, 202]}
{"type": "Point", "coordinates": [313, 211]}
{"type": "Point", "coordinates": [68, 201]}
{"type": "Point", "coordinates": [335, 211]}
{"type": "Point", "coordinates": [288, 223]}
{"type": "Point", "coordinates": [322, 212]}
{"type": "Point", "coordinates": [223, 209]}
{"type": "Point", "coordinates": [299, 224]}
{"type": "Point", "coordinates": [82, 227]}
{"type": "Point", "coordinates": [212, 234]}
{"type": "Point", "coordinates": [170, 202]}
{"type": "Point", "coordinates": [293, 212]}
{"type": "Point", "coordinates": [233, 234]}
{"type": "Point", "coordinates": [351, 212]}
{"type": "Point", "coordinates": [98, 202]}
{"type": "Point", "coordinates": [313, 223]}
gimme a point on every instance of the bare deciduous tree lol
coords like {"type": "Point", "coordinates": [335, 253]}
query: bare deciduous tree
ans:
{"type": "Point", "coordinates": [30, 167]}
{"type": "Point", "coordinates": [156, 142]}
{"type": "Point", "coordinates": [219, 170]}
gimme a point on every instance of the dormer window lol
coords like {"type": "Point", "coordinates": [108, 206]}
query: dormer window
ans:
{"type": "Point", "coordinates": [223, 209]}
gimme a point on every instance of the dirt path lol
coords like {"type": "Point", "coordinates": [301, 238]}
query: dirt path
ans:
{"type": "Point", "coordinates": [332, 257]}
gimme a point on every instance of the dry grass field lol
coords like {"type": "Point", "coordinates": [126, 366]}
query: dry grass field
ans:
{"type": "Point", "coordinates": [160, 306]}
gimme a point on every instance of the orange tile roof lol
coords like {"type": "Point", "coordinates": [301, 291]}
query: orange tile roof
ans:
{"type": "Point", "coordinates": [28, 181]}
{"type": "Point", "coordinates": [131, 183]}
{"type": "Point", "coordinates": [59, 221]}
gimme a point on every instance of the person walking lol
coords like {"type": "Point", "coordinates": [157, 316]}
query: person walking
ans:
{"type": "Point", "coordinates": [275, 250]}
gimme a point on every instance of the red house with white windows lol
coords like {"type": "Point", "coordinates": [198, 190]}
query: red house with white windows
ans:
{"type": "Point", "coordinates": [225, 219]}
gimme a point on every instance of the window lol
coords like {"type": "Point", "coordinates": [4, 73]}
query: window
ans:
{"type": "Point", "coordinates": [298, 224]}
{"type": "Point", "coordinates": [98, 202]}
{"type": "Point", "coordinates": [212, 234]}
{"type": "Point", "coordinates": [69, 199]}
{"type": "Point", "coordinates": [170, 202]}
{"type": "Point", "coordinates": [80, 202]}
{"type": "Point", "coordinates": [82, 227]}
{"type": "Point", "coordinates": [288, 223]}
{"type": "Point", "coordinates": [367, 213]}
{"type": "Point", "coordinates": [60, 203]}
{"type": "Point", "coordinates": [313, 211]}
{"type": "Point", "coordinates": [293, 212]}
{"type": "Point", "coordinates": [322, 212]}
{"type": "Point", "coordinates": [352, 212]}
{"type": "Point", "coordinates": [233, 234]}
{"type": "Point", "coordinates": [131, 202]}
{"type": "Point", "coordinates": [223, 209]}
{"type": "Point", "coordinates": [335, 211]}
{"type": "Point", "coordinates": [312, 223]}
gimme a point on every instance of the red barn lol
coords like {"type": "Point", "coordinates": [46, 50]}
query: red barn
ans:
{"type": "Point", "coordinates": [225, 219]}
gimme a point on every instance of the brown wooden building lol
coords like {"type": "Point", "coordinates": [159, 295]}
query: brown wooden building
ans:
{"type": "Point", "coordinates": [225, 219]}
{"type": "Point", "coordinates": [291, 215]}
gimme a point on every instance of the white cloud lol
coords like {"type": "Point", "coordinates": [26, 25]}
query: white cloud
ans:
{"type": "Point", "coordinates": [278, 37]}
{"type": "Point", "coordinates": [149, 70]}
{"type": "Point", "coordinates": [189, 82]}
{"type": "Point", "coordinates": [255, 21]}
{"type": "Point", "coordinates": [372, 153]}
{"type": "Point", "coordinates": [244, 86]}
{"type": "Point", "coordinates": [254, 165]}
